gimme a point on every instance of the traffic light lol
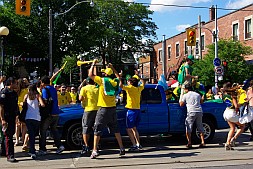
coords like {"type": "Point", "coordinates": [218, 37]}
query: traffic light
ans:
{"type": "Point", "coordinates": [23, 7]}
{"type": "Point", "coordinates": [191, 37]}
{"type": "Point", "coordinates": [225, 63]}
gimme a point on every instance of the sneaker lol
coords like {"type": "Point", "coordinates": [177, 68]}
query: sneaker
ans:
{"type": "Point", "coordinates": [139, 147]}
{"type": "Point", "coordinates": [122, 152]}
{"type": "Point", "coordinates": [33, 156]}
{"type": "Point", "coordinates": [60, 150]}
{"type": "Point", "coordinates": [85, 150]}
{"type": "Point", "coordinates": [11, 159]}
{"type": "Point", "coordinates": [94, 154]}
{"type": "Point", "coordinates": [133, 148]}
{"type": "Point", "coordinates": [41, 153]}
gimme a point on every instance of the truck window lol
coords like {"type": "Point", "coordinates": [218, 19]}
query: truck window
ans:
{"type": "Point", "coordinates": [151, 96]}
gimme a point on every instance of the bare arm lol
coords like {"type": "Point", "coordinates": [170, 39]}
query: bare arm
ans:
{"type": "Point", "coordinates": [54, 75]}
{"type": "Point", "coordinates": [181, 103]}
{"type": "Point", "coordinates": [40, 100]}
{"type": "Point", "coordinates": [82, 84]}
{"type": "Point", "coordinates": [114, 70]}
{"type": "Point", "coordinates": [91, 70]}
{"type": "Point", "coordinates": [187, 75]}
{"type": "Point", "coordinates": [120, 83]}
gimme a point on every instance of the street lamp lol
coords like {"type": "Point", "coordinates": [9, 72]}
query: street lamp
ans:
{"type": "Point", "coordinates": [51, 31]}
{"type": "Point", "coordinates": [4, 31]}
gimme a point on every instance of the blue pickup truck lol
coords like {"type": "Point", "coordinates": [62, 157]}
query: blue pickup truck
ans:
{"type": "Point", "coordinates": [158, 116]}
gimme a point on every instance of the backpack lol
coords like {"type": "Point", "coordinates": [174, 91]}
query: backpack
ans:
{"type": "Point", "coordinates": [45, 112]}
{"type": "Point", "coordinates": [181, 74]}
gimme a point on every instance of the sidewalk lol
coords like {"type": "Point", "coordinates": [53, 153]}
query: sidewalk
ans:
{"type": "Point", "coordinates": [159, 156]}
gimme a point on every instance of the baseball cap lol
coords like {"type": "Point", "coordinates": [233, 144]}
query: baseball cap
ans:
{"type": "Point", "coordinates": [191, 57]}
{"type": "Point", "coordinates": [108, 71]}
{"type": "Point", "coordinates": [135, 76]}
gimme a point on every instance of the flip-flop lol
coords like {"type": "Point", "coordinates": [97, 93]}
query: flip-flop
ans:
{"type": "Point", "coordinates": [188, 146]}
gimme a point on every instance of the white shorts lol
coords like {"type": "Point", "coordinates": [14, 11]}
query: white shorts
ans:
{"type": "Point", "coordinates": [230, 115]}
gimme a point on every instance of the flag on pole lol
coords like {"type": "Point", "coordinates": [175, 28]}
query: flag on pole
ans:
{"type": "Point", "coordinates": [162, 82]}
{"type": "Point", "coordinates": [59, 74]}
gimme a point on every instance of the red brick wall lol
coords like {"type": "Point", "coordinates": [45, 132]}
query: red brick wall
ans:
{"type": "Point", "coordinates": [224, 31]}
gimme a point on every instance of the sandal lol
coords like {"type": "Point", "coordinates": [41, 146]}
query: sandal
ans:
{"type": "Point", "coordinates": [228, 147]}
{"type": "Point", "coordinates": [202, 145]}
{"type": "Point", "coordinates": [188, 146]}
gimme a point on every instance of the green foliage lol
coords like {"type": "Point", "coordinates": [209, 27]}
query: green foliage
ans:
{"type": "Point", "coordinates": [233, 53]}
{"type": "Point", "coordinates": [101, 30]}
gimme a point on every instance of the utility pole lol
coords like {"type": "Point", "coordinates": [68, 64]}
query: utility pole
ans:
{"type": "Point", "coordinates": [216, 46]}
{"type": "Point", "coordinates": [164, 56]}
{"type": "Point", "coordinates": [200, 40]}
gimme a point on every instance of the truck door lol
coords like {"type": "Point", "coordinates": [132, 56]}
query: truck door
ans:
{"type": "Point", "coordinates": [156, 110]}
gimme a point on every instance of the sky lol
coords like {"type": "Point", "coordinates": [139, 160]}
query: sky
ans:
{"type": "Point", "coordinates": [173, 20]}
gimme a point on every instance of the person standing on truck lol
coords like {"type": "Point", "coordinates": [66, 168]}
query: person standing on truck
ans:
{"type": "Point", "coordinates": [106, 115]}
{"type": "Point", "coordinates": [133, 116]}
{"type": "Point", "coordinates": [89, 98]}
{"type": "Point", "coordinates": [193, 100]}
{"type": "Point", "coordinates": [185, 74]}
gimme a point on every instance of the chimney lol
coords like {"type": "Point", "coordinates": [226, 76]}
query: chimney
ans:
{"type": "Point", "coordinates": [211, 13]}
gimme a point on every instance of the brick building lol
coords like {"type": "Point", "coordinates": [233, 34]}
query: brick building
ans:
{"type": "Point", "coordinates": [237, 24]}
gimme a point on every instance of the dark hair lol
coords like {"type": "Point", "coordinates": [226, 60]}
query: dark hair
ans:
{"type": "Point", "coordinates": [45, 79]}
{"type": "Point", "coordinates": [90, 81]}
{"type": "Point", "coordinates": [251, 83]}
{"type": "Point", "coordinates": [133, 81]}
{"type": "Point", "coordinates": [32, 91]}
{"type": "Point", "coordinates": [188, 87]}
{"type": "Point", "coordinates": [10, 81]}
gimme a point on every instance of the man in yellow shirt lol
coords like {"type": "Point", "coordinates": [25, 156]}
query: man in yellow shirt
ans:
{"type": "Point", "coordinates": [133, 115]}
{"type": "Point", "coordinates": [73, 95]}
{"type": "Point", "coordinates": [89, 98]}
{"type": "Point", "coordinates": [106, 115]}
{"type": "Point", "coordinates": [63, 96]}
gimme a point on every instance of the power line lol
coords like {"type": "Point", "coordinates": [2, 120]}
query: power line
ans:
{"type": "Point", "coordinates": [190, 6]}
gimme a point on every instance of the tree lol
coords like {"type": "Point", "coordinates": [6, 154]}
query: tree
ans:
{"type": "Point", "coordinates": [233, 52]}
{"type": "Point", "coordinates": [102, 30]}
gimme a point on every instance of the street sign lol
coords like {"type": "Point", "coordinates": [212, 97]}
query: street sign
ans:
{"type": "Point", "coordinates": [216, 62]}
{"type": "Point", "coordinates": [218, 70]}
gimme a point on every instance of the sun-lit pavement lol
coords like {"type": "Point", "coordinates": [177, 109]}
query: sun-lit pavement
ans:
{"type": "Point", "coordinates": [157, 153]}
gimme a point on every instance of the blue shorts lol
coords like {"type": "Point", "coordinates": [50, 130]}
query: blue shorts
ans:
{"type": "Point", "coordinates": [133, 117]}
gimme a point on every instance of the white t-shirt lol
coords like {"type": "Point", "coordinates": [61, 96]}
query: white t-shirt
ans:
{"type": "Point", "coordinates": [33, 111]}
{"type": "Point", "coordinates": [192, 100]}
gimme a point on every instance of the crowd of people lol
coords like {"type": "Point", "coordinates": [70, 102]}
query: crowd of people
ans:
{"type": "Point", "coordinates": [41, 103]}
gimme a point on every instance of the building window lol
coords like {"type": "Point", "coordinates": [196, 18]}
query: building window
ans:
{"type": "Point", "coordinates": [169, 52]}
{"type": "Point", "coordinates": [160, 56]}
{"type": "Point", "coordinates": [247, 28]}
{"type": "Point", "coordinates": [177, 50]}
{"type": "Point", "coordinates": [197, 48]}
{"type": "Point", "coordinates": [185, 48]}
{"type": "Point", "coordinates": [202, 42]}
{"type": "Point", "coordinates": [235, 32]}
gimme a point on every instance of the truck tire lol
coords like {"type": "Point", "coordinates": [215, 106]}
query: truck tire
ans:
{"type": "Point", "coordinates": [209, 131]}
{"type": "Point", "coordinates": [74, 136]}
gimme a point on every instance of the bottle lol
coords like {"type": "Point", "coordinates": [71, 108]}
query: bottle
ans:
{"type": "Point", "coordinates": [4, 128]}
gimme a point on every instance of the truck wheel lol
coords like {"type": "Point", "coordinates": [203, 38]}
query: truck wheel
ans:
{"type": "Point", "coordinates": [209, 131]}
{"type": "Point", "coordinates": [74, 136]}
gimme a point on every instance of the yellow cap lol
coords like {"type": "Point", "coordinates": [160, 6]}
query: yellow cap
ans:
{"type": "Point", "coordinates": [135, 76]}
{"type": "Point", "coordinates": [108, 71]}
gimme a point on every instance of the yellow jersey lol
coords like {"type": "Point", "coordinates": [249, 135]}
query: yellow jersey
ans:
{"type": "Point", "coordinates": [133, 96]}
{"type": "Point", "coordinates": [21, 97]}
{"type": "Point", "coordinates": [103, 99]}
{"type": "Point", "coordinates": [63, 99]}
{"type": "Point", "coordinates": [90, 94]}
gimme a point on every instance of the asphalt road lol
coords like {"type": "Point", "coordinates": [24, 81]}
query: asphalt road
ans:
{"type": "Point", "coordinates": [158, 153]}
